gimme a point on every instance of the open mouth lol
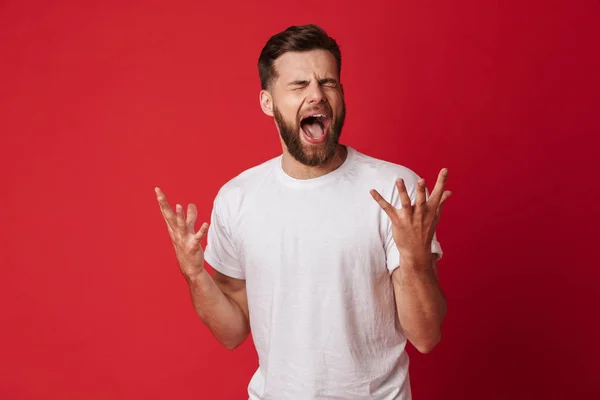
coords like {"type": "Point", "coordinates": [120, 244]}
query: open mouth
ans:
{"type": "Point", "coordinates": [315, 127]}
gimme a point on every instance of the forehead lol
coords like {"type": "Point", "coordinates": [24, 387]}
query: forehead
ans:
{"type": "Point", "coordinates": [295, 65]}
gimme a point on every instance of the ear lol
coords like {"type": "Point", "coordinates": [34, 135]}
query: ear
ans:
{"type": "Point", "coordinates": [266, 102]}
{"type": "Point", "coordinates": [342, 88]}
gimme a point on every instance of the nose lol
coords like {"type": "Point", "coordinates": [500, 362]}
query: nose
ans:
{"type": "Point", "coordinates": [315, 93]}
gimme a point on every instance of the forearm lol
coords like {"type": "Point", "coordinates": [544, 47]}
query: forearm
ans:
{"type": "Point", "coordinates": [420, 302]}
{"type": "Point", "coordinates": [223, 316]}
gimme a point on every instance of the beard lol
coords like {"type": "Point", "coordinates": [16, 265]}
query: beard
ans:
{"type": "Point", "coordinates": [315, 154]}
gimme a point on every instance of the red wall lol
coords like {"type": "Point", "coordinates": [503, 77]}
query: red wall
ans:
{"type": "Point", "coordinates": [101, 102]}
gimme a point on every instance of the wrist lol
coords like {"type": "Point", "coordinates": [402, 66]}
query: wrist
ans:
{"type": "Point", "coordinates": [195, 277]}
{"type": "Point", "coordinates": [417, 260]}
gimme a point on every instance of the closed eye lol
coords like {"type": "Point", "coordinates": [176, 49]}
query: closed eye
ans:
{"type": "Point", "coordinates": [298, 83]}
{"type": "Point", "coordinates": [328, 82]}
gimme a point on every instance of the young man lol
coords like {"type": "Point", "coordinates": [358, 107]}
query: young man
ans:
{"type": "Point", "coordinates": [326, 254]}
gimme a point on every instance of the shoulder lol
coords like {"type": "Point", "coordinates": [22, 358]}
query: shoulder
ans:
{"type": "Point", "coordinates": [384, 171]}
{"type": "Point", "coordinates": [237, 190]}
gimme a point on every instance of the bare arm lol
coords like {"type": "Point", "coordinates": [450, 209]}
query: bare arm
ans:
{"type": "Point", "coordinates": [420, 302]}
{"type": "Point", "coordinates": [219, 301]}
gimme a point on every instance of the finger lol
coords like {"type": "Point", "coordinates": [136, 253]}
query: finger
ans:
{"type": "Point", "coordinates": [421, 196]}
{"type": "Point", "coordinates": [445, 197]}
{"type": "Point", "coordinates": [180, 217]}
{"type": "Point", "coordinates": [438, 190]}
{"type": "Point", "coordinates": [387, 207]}
{"type": "Point", "coordinates": [192, 214]}
{"type": "Point", "coordinates": [165, 209]}
{"type": "Point", "coordinates": [404, 197]}
{"type": "Point", "coordinates": [201, 232]}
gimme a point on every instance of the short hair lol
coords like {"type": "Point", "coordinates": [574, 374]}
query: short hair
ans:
{"type": "Point", "coordinates": [295, 38]}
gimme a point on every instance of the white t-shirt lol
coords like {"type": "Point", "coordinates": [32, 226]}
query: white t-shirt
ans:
{"type": "Point", "coordinates": [317, 255]}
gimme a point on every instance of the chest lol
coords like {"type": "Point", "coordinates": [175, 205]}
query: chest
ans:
{"type": "Point", "coordinates": [333, 234]}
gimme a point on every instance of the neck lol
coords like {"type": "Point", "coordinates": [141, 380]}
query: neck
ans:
{"type": "Point", "coordinates": [300, 171]}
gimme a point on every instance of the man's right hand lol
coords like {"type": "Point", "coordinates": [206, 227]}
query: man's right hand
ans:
{"type": "Point", "coordinates": [186, 242]}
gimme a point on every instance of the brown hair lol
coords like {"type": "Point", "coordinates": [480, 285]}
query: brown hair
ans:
{"type": "Point", "coordinates": [294, 38]}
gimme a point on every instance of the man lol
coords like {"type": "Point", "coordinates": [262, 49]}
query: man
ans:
{"type": "Point", "coordinates": [331, 278]}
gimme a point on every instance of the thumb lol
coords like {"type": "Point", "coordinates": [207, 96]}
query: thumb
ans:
{"type": "Point", "coordinates": [387, 207]}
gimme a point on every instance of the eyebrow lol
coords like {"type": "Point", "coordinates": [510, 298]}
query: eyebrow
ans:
{"type": "Point", "coordinates": [304, 82]}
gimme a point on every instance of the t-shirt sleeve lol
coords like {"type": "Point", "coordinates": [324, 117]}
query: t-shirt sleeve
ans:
{"type": "Point", "coordinates": [392, 253]}
{"type": "Point", "coordinates": [221, 252]}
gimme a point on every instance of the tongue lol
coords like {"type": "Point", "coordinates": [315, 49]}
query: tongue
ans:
{"type": "Point", "coordinates": [315, 130]}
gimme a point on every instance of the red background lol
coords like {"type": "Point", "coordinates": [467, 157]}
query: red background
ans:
{"type": "Point", "coordinates": [103, 101]}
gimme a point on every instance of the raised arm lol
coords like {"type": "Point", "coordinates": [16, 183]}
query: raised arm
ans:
{"type": "Point", "coordinates": [220, 301]}
{"type": "Point", "coordinates": [421, 304]}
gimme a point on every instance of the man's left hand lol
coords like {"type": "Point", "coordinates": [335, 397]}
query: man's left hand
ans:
{"type": "Point", "coordinates": [413, 226]}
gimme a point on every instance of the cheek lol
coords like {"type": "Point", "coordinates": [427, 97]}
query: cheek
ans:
{"type": "Point", "coordinates": [335, 101]}
{"type": "Point", "coordinates": [289, 109]}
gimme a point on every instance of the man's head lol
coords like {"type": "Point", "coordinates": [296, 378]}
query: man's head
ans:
{"type": "Point", "coordinates": [299, 72]}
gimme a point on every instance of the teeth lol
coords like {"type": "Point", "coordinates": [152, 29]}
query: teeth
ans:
{"type": "Point", "coordinates": [318, 116]}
